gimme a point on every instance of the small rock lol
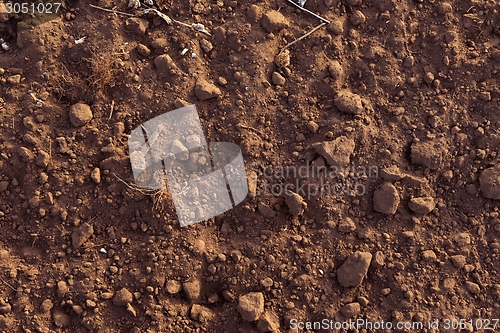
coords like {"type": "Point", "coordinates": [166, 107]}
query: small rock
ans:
{"type": "Point", "coordinates": [201, 313]}
{"type": "Point", "coordinates": [348, 102]}
{"type": "Point", "coordinates": [254, 12]}
{"type": "Point", "coordinates": [336, 27]}
{"type": "Point", "coordinates": [363, 301]}
{"type": "Point", "coordinates": [192, 289]}
{"type": "Point", "coordinates": [386, 199]}
{"type": "Point", "coordinates": [444, 8]}
{"type": "Point", "coordinates": [251, 306]}
{"type": "Point", "coordinates": [347, 225]}
{"type": "Point", "coordinates": [96, 175]}
{"type": "Point", "coordinates": [199, 247]}
{"type": "Point", "coordinates": [489, 182]}
{"type": "Point", "coordinates": [130, 309]}
{"type": "Point", "coordinates": [462, 239]}
{"type": "Point", "coordinates": [268, 322]}
{"type": "Point", "coordinates": [337, 153]}
{"type": "Point", "coordinates": [296, 204]}
{"type": "Point", "coordinates": [391, 173]}
{"type": "Point", "coordinates": [278, 79]}
{"type": "Point", "coordinates": [143, 50]}
{"type": "Point", "coordinates": [80, 114]}
{"type": "Point", "coordinates": [137, 25]}
{"type": "Point", "coordinates": [335, 70]}
{"type": "Point", "coordinates": [14, 79]}
{"type": "Point", "coordinates": [429, 255]}
{"type": "Point", "coordinates": [46, 306]}
{"type": "Point", "coordinates": [206, 45]}
{"type": "Point", "coordinates": [204, 90]}
{"type": "Point", "coordinates": [43, 158]}
{"type": "Point", "coordinates": [472, 287]}
{"type": "Point", "coordinates": [159, 43]}
{"type": "Point", "coordinates": [25, 154]}
{"type": "Point", "coordinates": [357, 18]}
{"type": "Point", "coordinates": [274, 21]}
{"type": "Point", "coordinates": [312, 126]}
{"type": "Point", "coordinates": [265, 210]}
{"type": "Point", "coordinates": [5, 307]}
{"type": "Point", "coordinates": [422, 205]}
{"type": "Point", "coordinates": [61, 319]}
{"type": "Point", "coordinates": [173, 287]}
{"type": "Point", "coordinates": [123, 297]}
{"type": "Point", "coordinates": [78, 309]}
{"type": "Point", "coordinates": [62, 288]}
{"type": "Point", "coordinates": [429, 154]}
{"type": "Point", "coordinates": [179, 150]}
{"type": "Point", "coordinates": [4, 185]}
{"type": "Point", "coordinates": [81, 234]}
{"type": "Point", "coordinates": [458, 261]}
{"type": "Point", "coordinates": [107, 295]}
{"type": "Point", "coordinates": [351, 310]}
{"type": "Point", "coordinates": [165, 65]}
{"type": "Point", "coordinates": [354, 269]}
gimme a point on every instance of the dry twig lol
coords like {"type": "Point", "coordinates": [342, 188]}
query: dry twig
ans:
{"type": "Point", "coordinates": [111, 10]}
{"type": "Point", "coordinates": [302, 37]}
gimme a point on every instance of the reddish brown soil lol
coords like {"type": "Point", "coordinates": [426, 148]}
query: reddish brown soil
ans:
{"type": "Point", "coordinates": [426, 116]}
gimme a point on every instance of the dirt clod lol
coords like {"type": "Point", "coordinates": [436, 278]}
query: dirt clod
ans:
{"type": "Point", "coordinates": [205, 90]}
{"type": "Point", "coordinates": [80, 114]}
{"type": "Point", "coordinates": [489, 182]}
{"type": "Point", "coordinates": [386, 199]}
{"type": "Point", "coordinates": [123, 297]}
{"type": "Point", "coordinates": [337, 153]}
{"type": "Point", "coordinates": [354, 269]}
{"type": "Point", "coordinates": [274, 21]}
{"type": "Point", "coordinates": [82, 234]}
{"type": "Point", "coordinates": [422, 205]}
{"type": "Point", "coordinates": [348, 102]}
{"type": "Point", "coordinates": [137, 25]}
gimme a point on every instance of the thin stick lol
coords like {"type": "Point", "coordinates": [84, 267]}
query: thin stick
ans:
{"type": "Point", "coordinates": [112, 108]}
{"type": "Point", "coordinates": [111, 10]}
{"type": "Point", "coordinates": [308, 11]}
{"type": "Point", "coordinates": [300, 38]}
{"type": "Point", "coordinates": [8, 284]}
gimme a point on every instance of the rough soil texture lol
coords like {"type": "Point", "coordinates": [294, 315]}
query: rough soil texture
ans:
{"type": "Point", "coordinates": [407, 87]}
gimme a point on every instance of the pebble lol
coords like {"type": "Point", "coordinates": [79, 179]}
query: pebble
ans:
{"type": "Point", "coordinates": [251, 306]}
{"type": "Point", "coordinates": [278, 79]}
{"type": "Point", "coordinates": [130, 309]}
{"type": "Point", "coordinates": [107, 295]}
{"type": "Point", "coordinates": [472, 287]}
{"type": "Point", "coordinates": [354, 269]}
{"type": "Point", "coordinates": [173, 287]}
{"type": "Point", "coordinates": [80, 114]}
{"type": "Point", "coordinates": [351, 310]}
{"type": "Point", "coordinates": [254, 12]}
{"type": "Point", "coordinates": [347, 225]}
{"type": "Point", "coordinates": [335, 69]}
{"type": "Point", "coordinates": [348, 102]}
{"type": "Point", "coordinates": [428, 154]}
{"type": "Point", "coordinates": [61, 319]}
{"type": "Point", "coordinates": [296, 204]}
{"type": "Point", "coordinates": [206, 45]}
{"type": "Point", "coordinates": [312, 126]}
{"type": "Point", "coordinates": [95, 175]}
{"type": "Point", "coordinates": [386, 199]}
{"type": "Point", "coordinates": [43, 158]}
{"type": "Point", "coordinates": [201, 313]}
{"type": "Point", "coordinates": [192, 289]}
{"type": "Point", "coordinates": [268, 322]}
{"type": "Point", "coordinates": [444, 8]}
{"type": "Point", "coordinates": [205, 90]}
{"type": "Point", "coordinates": [458, 261]}
{"type": "Point", "coordinates": [165, 65]}
{"type": "Point", "coordinates": [357, 18]}
{"type": "Point", "coordinates": [265, 210]}
{"type": "Point", "coordinates": [123, 297]}
{"type": "Point", "coordinates": [489, 184]}
{"type": "Point", "coordinates": [82, 234]}
{"type": "Point", "coordinates": [429, 255]}
{"type": "Point", "coordinates": [422, 205]}
{"type": "Point", "coordinates": [336, 27]}
{"type": "Point", "coordinates": [137, 25]}
{"type": "Point", "coordinates": [62, 288]}
{"type": "Point", "coordinates": [273, 21]}
{"type": "Point", "coordinates": [14, 79]}
{"type": "Point", "coordinates": [337, 153]}
{"type": "Point", "coordinates": [143, 50]}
